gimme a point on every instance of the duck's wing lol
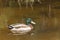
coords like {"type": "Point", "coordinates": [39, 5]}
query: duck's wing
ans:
{"type": "Point", "coordinates": [19, 25]}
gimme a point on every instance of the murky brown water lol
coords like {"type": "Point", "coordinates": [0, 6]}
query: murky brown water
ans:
{"type": "Point", "coordinates": [47, 25]}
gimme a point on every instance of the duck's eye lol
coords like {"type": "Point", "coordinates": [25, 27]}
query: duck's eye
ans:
{"type": "Point", "coordinates": [10, 27]}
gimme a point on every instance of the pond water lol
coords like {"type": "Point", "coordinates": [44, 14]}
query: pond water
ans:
{"type": "Point", "coordinates": [47, 24]}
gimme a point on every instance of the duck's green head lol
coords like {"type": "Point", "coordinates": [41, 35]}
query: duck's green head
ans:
{"type": "Point", "coordinates": [29, 21]}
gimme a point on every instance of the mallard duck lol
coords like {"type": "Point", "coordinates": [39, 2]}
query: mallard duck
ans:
{"type": "Point", "coordinates": [19, 28]}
